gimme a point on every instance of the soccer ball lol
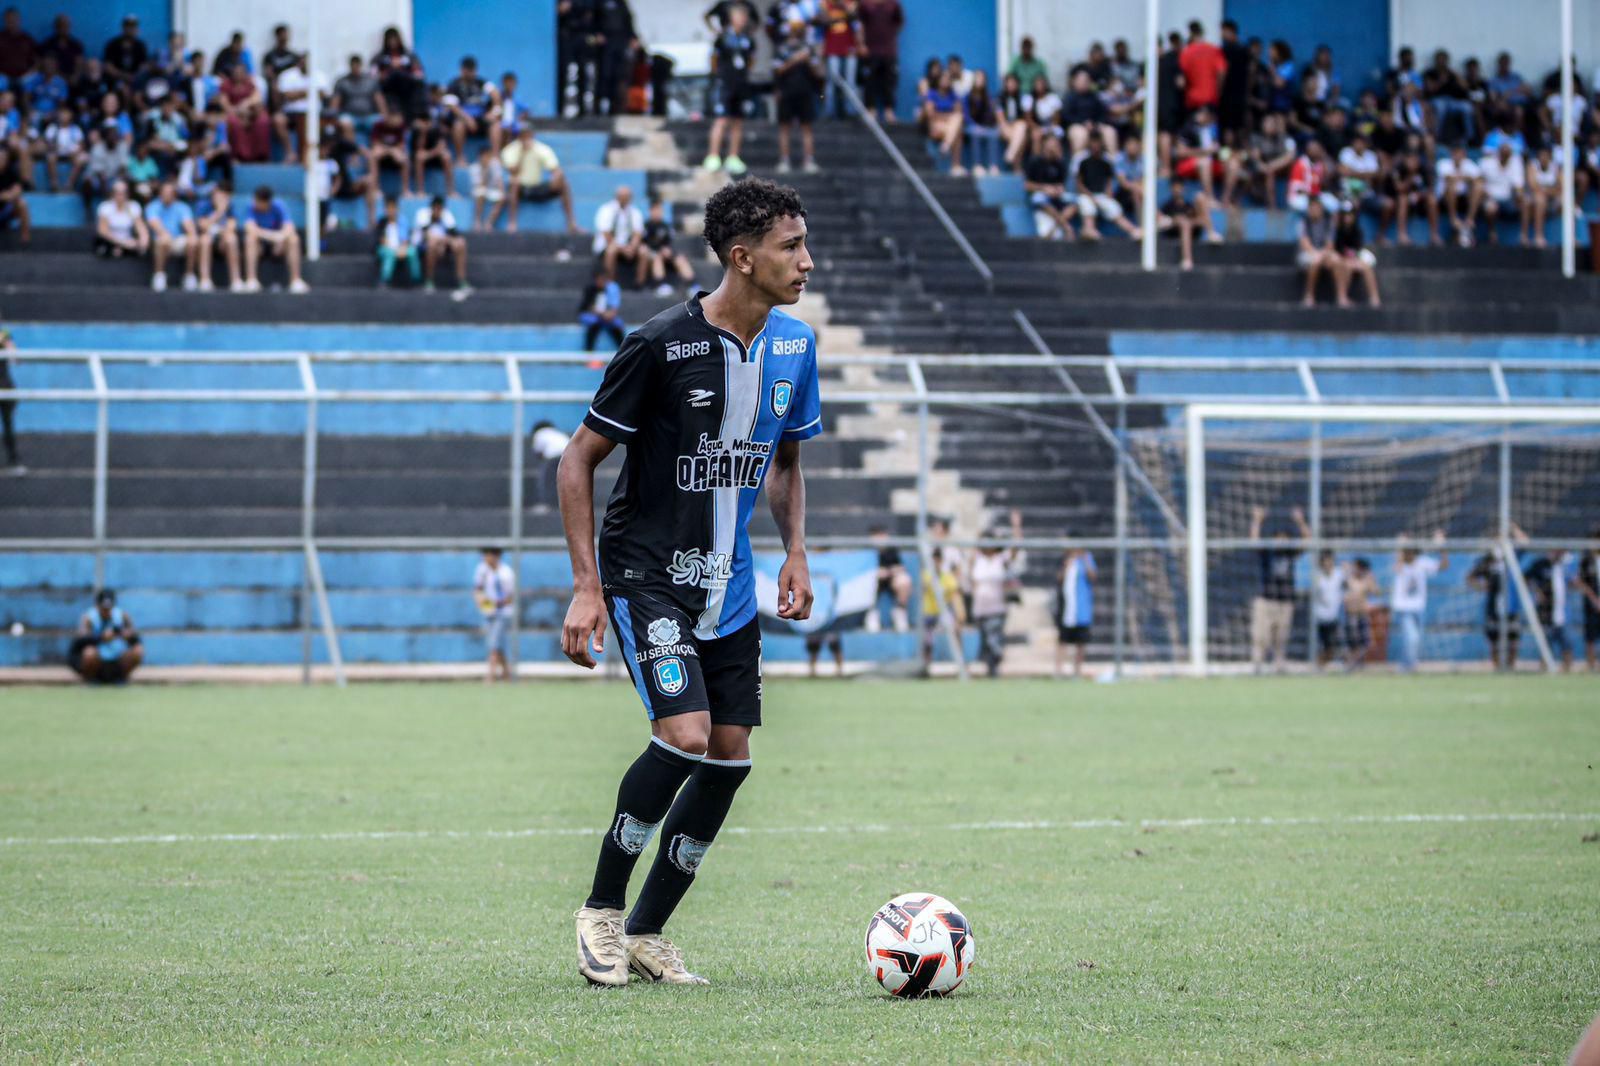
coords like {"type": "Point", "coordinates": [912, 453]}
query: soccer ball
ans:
{"type": "Point", "coordinates": [919, 945]}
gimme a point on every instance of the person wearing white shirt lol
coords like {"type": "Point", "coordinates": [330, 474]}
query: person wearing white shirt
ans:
{"type": "Point", "coordinates": [494, 590]}
{"type": "Point", "coordinates": [1543, 194]}
{"type": "Point", "coordinates": [436, 233]}
{"type": "Point", "coordinates": [547, 444]}
{"type": "Point", "coordinates": [1408, 599]}
{"type": "Point", "coordinates": [1359, 168]}
{"type": "Point", "coordinates": [295, 86]}
{"type": "Point", "coordinates": [1460, 190]}
{"type": "Point", "coordinates": [619, 231]}
{"type": "Point", "coordinates": [1504, 180]}
{"type": "Point", "coordinates": [1327, 604]}
{"type": "Point", "coordinates": [64, 143]}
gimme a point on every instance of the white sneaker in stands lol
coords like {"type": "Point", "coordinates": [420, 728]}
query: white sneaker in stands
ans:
{"type": "Point", "coordinates": [298, 286]}
{"type": "Point", "coordinates": [207, 285]}
{"type": "Point", "coordinates": [158, 282]}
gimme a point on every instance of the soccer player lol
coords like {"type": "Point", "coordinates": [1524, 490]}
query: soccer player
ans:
{"type": "Point", "coordinates": [711, 399]}
{"type": "Point", "coordinates": [494, 588]}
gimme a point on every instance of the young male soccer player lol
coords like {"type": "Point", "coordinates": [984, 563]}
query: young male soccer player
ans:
{"type": "Point", "coordinates": [710, 398]}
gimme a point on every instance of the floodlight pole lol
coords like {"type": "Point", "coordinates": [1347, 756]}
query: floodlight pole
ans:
{"type": "Point", "coordinates": [1569, 220]}
{"type": "Point", "coordinates": [1147, 213]}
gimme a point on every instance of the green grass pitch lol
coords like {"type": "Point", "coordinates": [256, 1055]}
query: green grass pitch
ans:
{"type": "Point", "coordinates": [408, 858]}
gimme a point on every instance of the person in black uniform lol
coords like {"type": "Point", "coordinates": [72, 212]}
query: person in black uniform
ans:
{"type": "Point", "coordinates": [613, 36]}
{"type": "Point", "coordinates": [574, 55]}
{"type": "Point", "coordinates": [711, 399]}
{"type": "Point", "coordinates": [1233, 107]}
{"type": "Point", "coordinates": [730, 90]}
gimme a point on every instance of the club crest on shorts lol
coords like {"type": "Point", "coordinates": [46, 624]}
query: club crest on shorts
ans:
{"type": "Point", "coordinates": [782, 396]}
{"type": "Point", "coordinates": [686, 853]}
{"type": "Point", "coordinates": [671, 675]}
{"type": "Point", "coordinates": [662, 631]}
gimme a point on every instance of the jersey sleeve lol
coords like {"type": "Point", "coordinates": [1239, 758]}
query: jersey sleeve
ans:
{"type": "Point", "coordinates": [805, 415]}
{"type": "Point", "coordinates": [625, 391]}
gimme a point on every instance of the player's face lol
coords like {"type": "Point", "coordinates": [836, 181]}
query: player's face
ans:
{"type": "Point", "coordinates": [780, 263]}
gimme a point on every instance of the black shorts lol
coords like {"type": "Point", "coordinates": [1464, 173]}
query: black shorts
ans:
{"type": "Point", "coordinates": [798, 107]}
{"type": "Point", "coordinates": [109, 671]}
{"type": "Point", "coordinates": [1357, 632]}
{"type": "Point", "coordinates": [823, 638]}
{"type": "Point", "coordinates": [675, 672]}
{"type": "Point", "coordinates": [1328, 635]}
{"type": "Point", "coordinates": [1072, 634]}
{"type": "Point", "coordinates": [1591, 626]}
{"type": "Point", "coordinates": [730, 98]}
{"type": "Point", "coordinates": [541, 193]}
{"type": "Point", "coordinates": [1491, 630]}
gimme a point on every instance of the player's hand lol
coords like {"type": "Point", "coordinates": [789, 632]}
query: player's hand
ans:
{"type": "Point", "coordinates": [794, 589]}
{"type": "Point", "coordinates": [584, 629]}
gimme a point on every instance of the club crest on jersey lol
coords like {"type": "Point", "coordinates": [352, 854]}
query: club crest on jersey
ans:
{"type": "Point", "coordinates": [672, 677]}
{"type": "Point", "coordinates": [782, 396]}
{"type": "Point", "coordinates": [686, 349]}
{"type": "Point", "coordinates": [662, 631]}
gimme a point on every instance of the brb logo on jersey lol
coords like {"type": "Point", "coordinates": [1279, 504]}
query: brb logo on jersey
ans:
{"type": "Point", "coordinates": [686, 349]}
{"type": "Point", "coordinates": [782, 396]}
{"type": "Point", "coordinates": [671, 675]}
{"type": "Point", "coordinates": [706, 570]}
{"type": "Point", "coordinates": [791, 346]}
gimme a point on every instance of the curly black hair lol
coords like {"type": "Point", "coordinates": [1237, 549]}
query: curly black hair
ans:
{"type": "Point", "coordinates": [747, 209]}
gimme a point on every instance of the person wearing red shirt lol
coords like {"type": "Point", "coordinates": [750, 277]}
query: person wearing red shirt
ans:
{"type": "Point", "coordinates": [1306, 180]}
{"type": "Point", "coordinates": [841, 45]}
{"type": "Point", "coordinates": [1203, 66]}
{"type": "Point", "coordinates": [18, 52]}
{"type": "Point", "coordinates": [881, 21]}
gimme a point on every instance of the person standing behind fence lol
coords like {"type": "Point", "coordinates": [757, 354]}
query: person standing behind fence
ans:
{"type": "Point", "coordinates": [1272, 611]}
{"type": "Point", "coordinates": [1360, 586]}
{"type": "Point", "coordinates": [546, 442]}
{"type": "Point", "coordinates": [993, 572]}
{"type": "Point", "coordinates": [1074, 607]}
{"type": "Point", "coordinates": [1408, 600]}
{"type": "Point", "coordinates": [881, 21]}
{"type": "Point", "coordinates": [494, 588]}
{"type": "Point", "coordinates": [1327, 600]}
{"type": "Point", "coordinates": [1549, 578]}
{"type": "Point", "coordinates": [8, 407]}
{"type": "Point", "coordinates": [939, 582]}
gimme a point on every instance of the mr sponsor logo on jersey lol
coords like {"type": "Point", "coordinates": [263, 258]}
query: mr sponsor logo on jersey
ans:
{"type": "Point", "coordinates": [686, 349]}
{"type": "Point", "coordinates": [720, 463]}
{"type": "Point", "coordinates": [704, 570]}
{"type": "Point", "coordinates": [789, 346]}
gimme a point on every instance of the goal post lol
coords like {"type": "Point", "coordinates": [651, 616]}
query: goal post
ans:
{"type": "Point", "coordinates": [1563, 427]}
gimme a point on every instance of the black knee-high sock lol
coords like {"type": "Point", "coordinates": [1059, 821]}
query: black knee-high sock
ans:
{"type": "Point", "coordinates": [690, 828]}
{"type": "Point", "coordinates": [642, 799]}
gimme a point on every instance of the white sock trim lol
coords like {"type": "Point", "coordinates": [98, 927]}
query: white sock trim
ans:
{"type": "Point", "coordinates": [676, 751]}
{"type": "Point", "coordinates": [726, 762]}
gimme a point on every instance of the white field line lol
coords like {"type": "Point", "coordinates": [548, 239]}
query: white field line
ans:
{"type": "Point", "coordinates": [958, 827]}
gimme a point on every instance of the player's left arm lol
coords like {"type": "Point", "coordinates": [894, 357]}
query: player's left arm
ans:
{"type": "Point", "coordinates": [786, 492]}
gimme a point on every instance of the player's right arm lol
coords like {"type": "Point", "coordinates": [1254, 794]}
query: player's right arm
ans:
{"type": "Point", "coordinates": [586, 616]}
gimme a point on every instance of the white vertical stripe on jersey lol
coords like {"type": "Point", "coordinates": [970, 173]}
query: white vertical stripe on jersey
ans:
{"type": "Point", "coordinates": [740, 404]}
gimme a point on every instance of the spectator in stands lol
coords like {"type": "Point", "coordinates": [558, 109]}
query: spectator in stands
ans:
{"type": "Point", "coordinates": [125, 54]}
{"type": "Point", "coordinates": [842, 46]}
{"type": "Point", "coordinates": [1124, 67]}
{"type": "Point", "coordinates": [944, 119]}
{"type": "Point", "coordinates": [388, 147]}
{"type": "Point", "coordinates": [1408, 599]}
{"type": "Point", "coordinates": [494, 590]}
{"type": "Point", "coordinates": [199, 89]}
{"type": "Point", "coordinates": [795, 76]}
{"type": "Point", "coordinates": [894, 582]}
{"type": "Point", "coordinates": [13, 201]}
{"type": "Point", "coordinates": [1026, 67]}
{"type": "Point", "coordinates": [1361, 176]}
{"type": "Point", "coordinates": [8, 407]}
{"type": "Point", "coordinates": [167, 134]}
{"type": "Point", "coordinates": [1587, 584]}
{"type": "Point", "coordinates": [394, 244]}
{"type": "Point", "coordinates": [172, 231]}
{"type": "Point", "coordinates": [143, 172]}
{"type": "Point", "coordinates": [547, 443]}
{"type": "Point", "coordinates": [537, 175]}
{"type": "Point", "coordinates": [1505, 179]}
{"type": "Point", "coordinates": [44, 91]}
{"type": "Point", "coordinates": [1316, 252]}
{"type": "Point", "coordinates": [613, 32]}
{"type": "Point", "coordinates": [89, 88]}
{"type": "Point", "coordinates": [1505, 131]}
{"type": "Point", "coordinates": [67, 49]}
{"type": "Point", "coordinates": [1180, 217]}
{"type": "Point", "coordinates": [512, 114]}
{"type": "Point", "coordinates": [731, 92]}
{"type": "Point", "coordinates": [1129, 165]}
{"type": "Point", "coordinates": [1305, 120]}
{"type": "Point", "coordinates": [1355, 634]}
{"type": "Point", "coordinates": [600, 310]}
{"type": "Point", "coordinates": [119, 225]}
{"type": "Point", "coordinates": [1074, 603]}
{"type": "Point", "coordinates": [108, 157]}
{"type": "Point", "coordinates": [295, 84]}
{"type": "Point", "coordinates": [249, 127]}
{"type": "Point", "coordinates": [1203, 67]}
{"type": "Point", "coordinates": [619, 233]}
{"type": "Point", "coordinates": [1308, 180]}
{"type": "Point", "coordinates": [1327, 604]}
{"type": "Point", "coordinates": [1500, 602]}
{"type": "Point", "coordinates": [108, 648]}
{"type": "Point", "coordinates": [430, 143]}
{"type": "Point", "coordinates": [1408, 188]}
{"type": "Point", "coordinates": [1096, 194]}
{"type": "Point", "coordinates": [234, 54]}
{"type": "Point", "coordinates": [1403, 73]}
{"type": "Point", "coordinates": [881, 21]}
{"type": "Point", "coordinates": [1044, 115]}
{"type": "Point", "coordinates": [351, 177]}
{"type": "Point", "coordinates": [1083, 113]}
{"type": "Point", "coordinates": [1272, 610]}
{"type": "Point", "coordinates": [280, 58]}
{"type": "Point", "coordinates": [982, 126]}
{"type": "Point", "coordinates": [490, 192]}
{"type": "Point", "coordinates": [1544, 194]}
{"type": "Point", "coordinates": [1233, 104]}
{"type": "Point", "coordinates": [1355, 259]}
{"type": "Point", "coordinates": [64, 143]}
{"type": "Point", "coordinates": [1011, 112]}
{"type": "Point", "coordinates": [215, 227]}
{"type": "Point", "coordinates": [1123, 107]}
{"type": "Point", "coordinates": [1460, 190]}
{"type": "Point", "coordinates": [1447, 94]}
{"type": "Point", "coordinates": [357, 96]}
{"type": "Point", "coordinates": [112, 111]}
{"type": "Point", "coordinates": [659, 256]}
{"type": "Point", "coordinates": [401, 77]}
{"type": "Point", "coordinates": [995, 571]}
{"type": "Point", "coordinates": [1271, 153]}
{"type": "Point", "coordinates": [960, 76]}
{"type": "Point", "coordinates": [574, 56]}
{"type": "Point", "coordinates": [1045, 181]}
{"type": "Point", "coordinates": [1199, 156]}
{"type": "Point", "coordinates": [472, 108]}
{"type": "Point", "coordinates": [942, 603]}
{"type": "Point", "coordinates": [1387, 139]}
{"type": "Point", "coordinates": [268, 230]}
